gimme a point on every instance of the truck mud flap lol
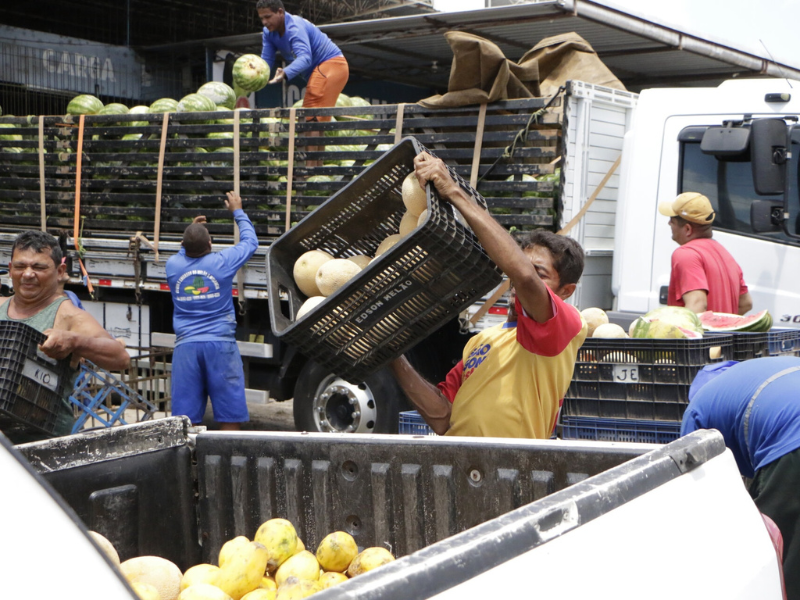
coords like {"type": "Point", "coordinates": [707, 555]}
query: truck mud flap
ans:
{"type": "Point", "coordinates": [399, 492]}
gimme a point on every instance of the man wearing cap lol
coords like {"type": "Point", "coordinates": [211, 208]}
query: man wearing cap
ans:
{"type": "Point", "coordinates": [753, 404]}
{"type": "Point", "coordinates": [206, 362]}
{"type": "Point", "coordinates": [704, 275]}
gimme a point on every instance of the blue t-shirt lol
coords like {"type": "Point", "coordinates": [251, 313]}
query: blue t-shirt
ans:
{"type": "Point", "coordinates": [758, 431]}
{"type": "Point", "coordinates": [302, 44]}
{"type": "Point", "coordinates": [202, 288]}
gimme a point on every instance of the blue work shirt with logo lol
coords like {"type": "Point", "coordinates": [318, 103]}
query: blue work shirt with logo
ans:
{"type": "Point", "coordinates": [202, 288]}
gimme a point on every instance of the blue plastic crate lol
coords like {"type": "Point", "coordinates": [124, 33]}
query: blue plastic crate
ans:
{"type": "Point", "coordinates": [619, 430]}
{"type": "Point", "coordinates": [411, 423]}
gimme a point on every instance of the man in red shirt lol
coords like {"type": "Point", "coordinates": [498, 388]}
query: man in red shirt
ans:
{"type": "Point", "coordinates": [704, 275]}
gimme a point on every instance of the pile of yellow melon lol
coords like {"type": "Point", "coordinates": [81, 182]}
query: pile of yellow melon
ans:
{"type": "Point", "coordinates": [275, 565]}
{"type": "Point", "coordinates": [318, 274]}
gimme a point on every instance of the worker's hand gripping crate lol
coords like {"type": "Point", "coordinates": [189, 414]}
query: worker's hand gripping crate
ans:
{"type": "Point", "coordinates": [411, 290]}
{"type": "Point", "coordinates": [32, 384]}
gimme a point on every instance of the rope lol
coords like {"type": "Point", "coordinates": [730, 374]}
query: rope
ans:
{"type": "Point", "coordinates": [522, 134]}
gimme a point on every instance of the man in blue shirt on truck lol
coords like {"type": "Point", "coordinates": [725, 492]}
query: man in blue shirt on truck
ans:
{"type": "Point", "coordinates": [206, 361]}
{"type": "Point", "coordinates": [755, 405]}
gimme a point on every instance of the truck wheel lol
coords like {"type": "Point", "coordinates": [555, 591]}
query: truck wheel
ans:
{"type": "Point", "coordinates": [325, 402]}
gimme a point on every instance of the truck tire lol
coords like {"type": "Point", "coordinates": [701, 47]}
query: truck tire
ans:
{"type": "Point", "coordinates": [325, 402]}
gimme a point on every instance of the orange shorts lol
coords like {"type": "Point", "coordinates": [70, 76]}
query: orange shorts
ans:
{"type": "Point", "coordinates": [325, 84]}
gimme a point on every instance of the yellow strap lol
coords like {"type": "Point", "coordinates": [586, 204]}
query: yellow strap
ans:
{"type": "Point", "coordinates": [398, 125]}
{"type": "Point", "coordinates": [77, 218]}
{"type": "Point", "coordinates": [476, 155]}
{"type": "Point", "coordinates": [41, 174]}
{"type": "Point", "coordinates": [290, 171]}
{"type": "Point", "coordinates": [159, 180]}
{"type": "Point", "coordinates": [504, 287]}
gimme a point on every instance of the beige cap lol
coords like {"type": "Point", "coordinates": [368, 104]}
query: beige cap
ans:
{"type": "Point", "coordinates": [692, 206]}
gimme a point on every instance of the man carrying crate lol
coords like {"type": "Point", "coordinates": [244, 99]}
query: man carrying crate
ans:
{"type": "Point", "coordinates": [512, 378]}
{"type": "Point", "coordinates": [36, 270]}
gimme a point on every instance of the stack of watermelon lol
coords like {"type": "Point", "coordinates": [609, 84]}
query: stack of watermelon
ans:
{"type": "Point", "coordinates": [668, 322]}
{"type": "Point", "coordinates": [724, 322]}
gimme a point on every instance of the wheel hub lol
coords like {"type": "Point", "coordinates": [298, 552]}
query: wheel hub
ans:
{"type": "Point", "coordinates": [340, 406]}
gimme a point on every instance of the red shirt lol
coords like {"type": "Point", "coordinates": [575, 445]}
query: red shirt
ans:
{"type": "Point", "coordinates": [704, 264]}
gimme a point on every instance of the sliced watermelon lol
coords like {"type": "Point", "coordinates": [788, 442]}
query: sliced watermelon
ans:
{"type": "Point", "coordinates": [761, 321]}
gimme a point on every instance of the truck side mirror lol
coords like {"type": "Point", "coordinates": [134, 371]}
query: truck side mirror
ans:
{"type": "Point", "coordinates": [725, 142]}
{"type": "Point", "coordinates": [766, 216]}
{"type": "Point", "coordinates": [768, 154]}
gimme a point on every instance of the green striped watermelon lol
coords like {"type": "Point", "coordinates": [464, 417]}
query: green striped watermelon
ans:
{"type": "Point", "coordinates": [163, 105]}
{"type": "Point", "coordinates": [250, 73]}
{"type": "Point", "coordinates": [85, 104]}
{"type": "Point", "coordinates": [139, 110]}
{"type": "Point", "coordinates": [220, 93]}
{"type": "Point", "coordinates": [196, 103]}
{"type": "Point", "coordinates": [10, 137]}
{"type": "Point", "coordinates": [113, 109]}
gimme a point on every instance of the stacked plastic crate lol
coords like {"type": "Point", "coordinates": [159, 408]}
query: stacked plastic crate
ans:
{"type": "Point", "coordinates": [636, 390]}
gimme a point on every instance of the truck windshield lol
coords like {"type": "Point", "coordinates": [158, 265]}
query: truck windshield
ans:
{"type": "Point", "coordinates": [729, 187]}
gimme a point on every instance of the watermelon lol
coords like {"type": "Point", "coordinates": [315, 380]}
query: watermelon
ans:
{"type": "Point", "coordinates": [343, 100]}
{"type": "Point", "coordinates": [113, 109]}
{"type": "Point", "coordinates": [85, 104]}
{"type": "Point", "coordinates": [139, 110]}
{"type": "Point", "coordinates": [163, 105]}
{"type": "Point", "coordinates": [10, 137]}
{"type": "Point", "coordinates": [758, 322]}
{"type": "Point", "coordinates": [250, 73]}
{"type": "Point", "coordinates": [196, 103]}
{"type": "Point", "coordinates": [220, 94]}
{"type": "Point", "coordinates": [667, 322]}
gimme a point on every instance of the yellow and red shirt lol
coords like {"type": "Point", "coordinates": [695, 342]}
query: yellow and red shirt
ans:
{"type": "Point", "coordinates": [512, 378]}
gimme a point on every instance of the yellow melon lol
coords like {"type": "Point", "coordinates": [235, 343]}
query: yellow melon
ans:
{"type": "Point", "coordinates": [609, 330]}
{"type": "Point", "coordinates": [300, 546]}
{"type": "Point", "coordinates": [267, 583]}
{"type": "Point", "coordinates": [302, 565]}
{"type": "Point", "coordinates": [230, 547]}
{"type": "Point", "coordinates": [279, 537]}
{"type": "Point", "coordinates": [308, 306]}
{"type": "Point", "coordinates": [334, 274]}
{"type": "Point", "coordinates": [203, 591]}
{"type": "Point", "coordinates": [422, 216]}
{"type": "Point", "coordinates": [107, 547]}
{"type": "Point", "coordinates": [331, 579]}
{"type": "Point", "coordinates": [243, 571]}
{"type": "Point", "coordinates": [360, 259]}
{"type": "Point", "coordinates": [305, 271]}
{"type": "Point", "coordinates": [369, 559]}
{"type": "Point", "coordinates": [414, 196]}
{"type": "Point", "coordinates": [296, 589]}
{"type": "Point", "coordinates": [202, 573]}
{"type": "Point", "coordinates": [336, 551]}
{"type": "Point", "coordinates": [387, 243]}
{"type": "Point", "coordinates": [260, 594]}
{"type": "Point", "coordinates": [162, 574]}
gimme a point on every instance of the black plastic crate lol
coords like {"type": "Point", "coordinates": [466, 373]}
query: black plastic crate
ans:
{"type": "Point", "coordinates": [414, 288]}
{"type": "Point", "coordinates": [619, 430]}
{"type": "Point", "coordinates": [639, 378]}
{"type": "Point", "coordinates": [31, 383]}
{"type": "Point", "coordinates": [776, 342]}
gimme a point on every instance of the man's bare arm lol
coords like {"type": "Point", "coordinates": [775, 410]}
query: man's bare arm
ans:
{"type": "Point", "coordinates": [499, 245]}
{"type": "Point", "coordinates": [76, 332]}
{"type": "Point", "coordinates": [696, 301]}
{"type": "Point", "coordinates": [426, 397]}
{"type": "Point", "coordinates": [745, 303]}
